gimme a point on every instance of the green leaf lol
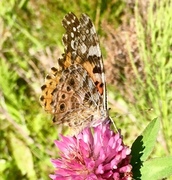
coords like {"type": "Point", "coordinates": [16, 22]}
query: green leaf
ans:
{"type": "Point", "coordinates": [144, 143]}
{"type": "Point", "coordinates": [157, 168]}
{"type": "Point", "coordinates": [143, 146]}
{"type": "Point", "coordinates": [22, 156]}
{"type": "Point", "coordinates": [149, 137]}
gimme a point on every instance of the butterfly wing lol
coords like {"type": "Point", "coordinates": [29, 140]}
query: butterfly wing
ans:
{"type": "Point", "coordinates": [82, 46]}
{"type": "Point", "coordinates": [86, 102]}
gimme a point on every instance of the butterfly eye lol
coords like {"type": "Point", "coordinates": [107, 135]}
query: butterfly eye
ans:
{"type": "Point", "coordinates": [62, 107]}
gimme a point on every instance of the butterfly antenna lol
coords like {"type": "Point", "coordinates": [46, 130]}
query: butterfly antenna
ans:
{"type": "Point", "coordinates": [113, 123]}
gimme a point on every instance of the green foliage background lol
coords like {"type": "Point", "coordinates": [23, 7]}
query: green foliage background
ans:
{"type": "Point", "coordinates": [30, 44]}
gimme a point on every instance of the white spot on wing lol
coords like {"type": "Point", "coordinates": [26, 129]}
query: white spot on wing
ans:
{"type": "Point", "coordinates": [73, 44]}
{"type": "Point", "coordinates": [87, 31]}
{"type": "Point", "coordinates": [94, 50]}
{"type": "Point", "coordinates": [83, 48]}
{"type": "Point", "coordinates": [74, 28]}
{"type": "Point", "coordinates": [92, 30]}
{"type": "Point", "coordinates": [72, 34]}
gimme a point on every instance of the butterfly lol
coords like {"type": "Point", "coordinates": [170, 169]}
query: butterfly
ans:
{"type": "Point", "coordinates": [75, 91]}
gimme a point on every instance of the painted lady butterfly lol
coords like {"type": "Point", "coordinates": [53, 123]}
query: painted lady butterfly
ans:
{"type": "Point", "coordinates": [75, 92]}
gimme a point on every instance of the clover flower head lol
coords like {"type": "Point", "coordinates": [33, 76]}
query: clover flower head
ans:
{"type": "Point", "coordinates": [93, 154]}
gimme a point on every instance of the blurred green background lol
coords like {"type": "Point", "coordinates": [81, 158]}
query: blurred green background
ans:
{"type": "Point", "coordinates": [136, 43]}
